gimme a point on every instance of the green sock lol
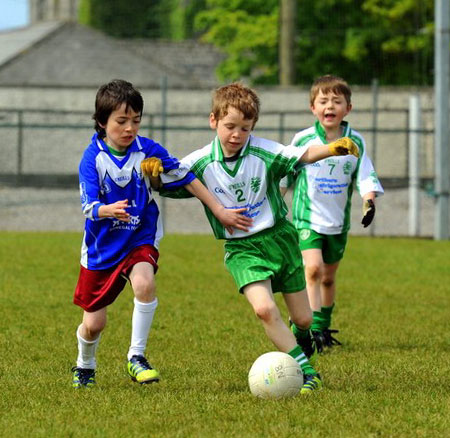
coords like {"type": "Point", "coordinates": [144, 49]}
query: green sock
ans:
{"type": "Point", "coordinates": [300, 357]}
{"type": "Point", "coordinates": [318, 321]}
{"type": "Point", "coordinates": [299, 332]}
{"type": "Point", "coordinates": [327, 311]}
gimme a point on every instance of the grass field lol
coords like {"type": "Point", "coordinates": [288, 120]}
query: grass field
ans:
{"type": "Point", "coordinates": [390, 378]}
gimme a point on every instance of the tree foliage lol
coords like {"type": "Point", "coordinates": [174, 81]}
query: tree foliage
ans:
{"type": "Point", "coordinates": [119, 18]}
{"type": "Point", "coordinates": [154, 19]}
{"type": "Point", "coordinates": [247, 32]}
{"type": "Point", "coordinates": [391, 40]}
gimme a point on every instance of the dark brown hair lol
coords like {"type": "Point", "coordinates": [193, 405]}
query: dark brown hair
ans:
{"type": "Point", "coordinates": [328, 83]}
{"type": "Point", "coordinates": [111, 96]}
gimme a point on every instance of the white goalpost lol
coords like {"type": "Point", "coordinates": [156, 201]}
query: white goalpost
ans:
{"type": "Point", "coordinates": [441, 90]}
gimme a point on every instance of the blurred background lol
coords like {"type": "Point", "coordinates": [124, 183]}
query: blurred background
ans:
{"type": "Point", "coordinates": [54, 54]}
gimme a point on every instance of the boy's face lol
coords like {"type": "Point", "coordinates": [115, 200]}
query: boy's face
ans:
{"type": "Point", "coordinates": [233, 130]}
{"type": "Point", "coordinates": [122, 127]}
{"type": "Point", "coordinates": [330, 109]}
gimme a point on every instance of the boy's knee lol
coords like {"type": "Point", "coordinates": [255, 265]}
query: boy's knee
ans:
{"type": "Point", "coordinates": [92, 329]}
{"type": "Point", "coordinates": [303, 321]}
{"type": "Point", "coordinates": [144, 290]}
{"type": "Point", "coordinates": [314, 272]}
{"type": "Point", "coordinates": [328, 281]}
{"type": "Point", "coordinates": [266, 311]}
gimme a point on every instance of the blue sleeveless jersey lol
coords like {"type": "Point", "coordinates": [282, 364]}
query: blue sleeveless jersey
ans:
{"type": "Point", "coordinates": [105, 179]}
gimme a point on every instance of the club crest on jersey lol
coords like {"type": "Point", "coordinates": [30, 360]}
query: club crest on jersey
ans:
{"type": "Point", "coordinates": [255, 184]}
{"type": "Point", "coordinates": [304, 234]}
{"type": "Point", "coordinates": [106, 188]}
{"type": "Point", "coordinates": [374, 177]}
{"type": "Point", "coordinates": [347, 168]}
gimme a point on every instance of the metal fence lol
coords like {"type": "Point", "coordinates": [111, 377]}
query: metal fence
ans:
{"type": "Point", "coordinates": [42, 148]}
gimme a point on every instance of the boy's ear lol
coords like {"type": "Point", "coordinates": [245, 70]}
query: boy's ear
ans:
{"type": "Point", "coordinates": [212, 121]}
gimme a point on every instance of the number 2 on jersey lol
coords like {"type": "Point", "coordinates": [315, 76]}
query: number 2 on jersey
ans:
{"type": "Point", "coordinates": [240, 195]}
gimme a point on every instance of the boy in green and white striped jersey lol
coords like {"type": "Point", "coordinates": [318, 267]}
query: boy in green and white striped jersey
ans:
{"type": "Point", "coordinates": [243, 171]}
{"type": "Point", "coordinates": [322, 199]}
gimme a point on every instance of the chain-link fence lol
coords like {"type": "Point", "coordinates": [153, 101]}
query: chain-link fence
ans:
{"type": "Point", "coordinates": [43, 147]}
{"type": "Point", "coordinates": [41, 150]}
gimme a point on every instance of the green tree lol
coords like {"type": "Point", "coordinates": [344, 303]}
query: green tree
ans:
{"type": "Point", "coordinates": [357, 39]}
{"type": "Point", "coordinates": [119, 18]}
{"type": "Point", "coordinates": [247, 31]}
{"type": "Point", "coordinates": [168, 19]}
{"type": "Point", "coordinates": [182, 18]}
{"type": "Point", "coordinates": [405, 38]}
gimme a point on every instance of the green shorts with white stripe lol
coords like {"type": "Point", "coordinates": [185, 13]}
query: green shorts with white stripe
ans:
{"type": "Point", "coordinates": [270, 254]}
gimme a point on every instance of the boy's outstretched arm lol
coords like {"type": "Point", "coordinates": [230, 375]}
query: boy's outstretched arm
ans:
{"type": "Point", "coordinates": [229, 218]}
{"type": "Point", "coordinates": [342, 146]}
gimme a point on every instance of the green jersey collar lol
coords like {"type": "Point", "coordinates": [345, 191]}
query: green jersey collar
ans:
{"type": "Point", "coordinates": [217, 151]}
{"type": "Point", "coordinates": [217, 155]}
{"type": "Point", "coordinates": [320, 130]}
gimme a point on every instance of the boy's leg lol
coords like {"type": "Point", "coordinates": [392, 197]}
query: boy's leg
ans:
{"type": "Point", "coordinates": [260, 296]}
{"type": "Point", "coordinates": [145, 302]}
{"type": "Point", "coordinates": [314, 269]}
{"type": "Point", "coordinates": [314, 266]}
{"type": "Point", "coordinates": [328, 284]}
{"type": "Point", "coordinates": [332, 253]}
{"type": "Point", "coordinates": [88, 336]}
{"type": "Point", "coordinates": [328, 294]}
{"type": "Point", "coordinates": [300, 317]}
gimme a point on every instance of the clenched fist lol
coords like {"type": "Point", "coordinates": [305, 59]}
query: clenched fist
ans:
{"type": "Point", "coordinates": [152, 167]}
{"type": "Point", "coordinates": [343, 146]}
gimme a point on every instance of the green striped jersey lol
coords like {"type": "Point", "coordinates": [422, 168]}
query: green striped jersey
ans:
{"type": "Point", "coordinates": [253, 181]}
{"type": "Point", "coordinates": [323, 190]}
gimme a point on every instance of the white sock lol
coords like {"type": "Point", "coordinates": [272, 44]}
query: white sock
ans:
{"type": "Point", "coordinates": [86, 352]}
{"type": "Point", "coordinates": [142, 321]}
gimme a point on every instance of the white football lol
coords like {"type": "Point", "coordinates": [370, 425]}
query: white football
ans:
{"type": "Point", "coordinates": [275, 375]}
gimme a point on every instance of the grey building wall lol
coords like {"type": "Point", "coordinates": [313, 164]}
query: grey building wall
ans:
{"type": "Point", "coordinates": [189, 130]}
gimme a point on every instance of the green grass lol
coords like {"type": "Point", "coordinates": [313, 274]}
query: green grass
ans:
{"type": "Point", "coordinates": [390, 379]}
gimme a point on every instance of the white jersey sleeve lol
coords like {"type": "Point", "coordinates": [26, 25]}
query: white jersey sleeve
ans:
{"type": "Point", "coordinates": [366, 177]}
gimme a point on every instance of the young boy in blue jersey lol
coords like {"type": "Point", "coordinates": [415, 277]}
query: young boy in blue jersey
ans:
{"type": "Point", "coordinates": [322, 199]}
{"type": "Point", "coordinates": [243, 171]}
{"type": "Point", "coordinates": [123, 225]}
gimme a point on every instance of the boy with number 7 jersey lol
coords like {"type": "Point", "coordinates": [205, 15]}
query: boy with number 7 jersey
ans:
{"type": "Point", "coordinates": [322, 200]}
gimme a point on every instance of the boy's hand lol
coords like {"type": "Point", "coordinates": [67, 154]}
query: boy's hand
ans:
{"type": "Point", "coordinates": [233, 218]}
{"type": "Point", "coordinates": [368, 212]}
{"type": "Point", "coordinates": [343, 146]}
{"type": "Point", "coordinates": [116, 210]}
{"type": "Point", "coordinates": [152, 167]}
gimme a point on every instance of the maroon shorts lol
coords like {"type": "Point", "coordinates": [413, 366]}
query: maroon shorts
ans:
{"type": "Point", "coordinates": [98, 289]}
